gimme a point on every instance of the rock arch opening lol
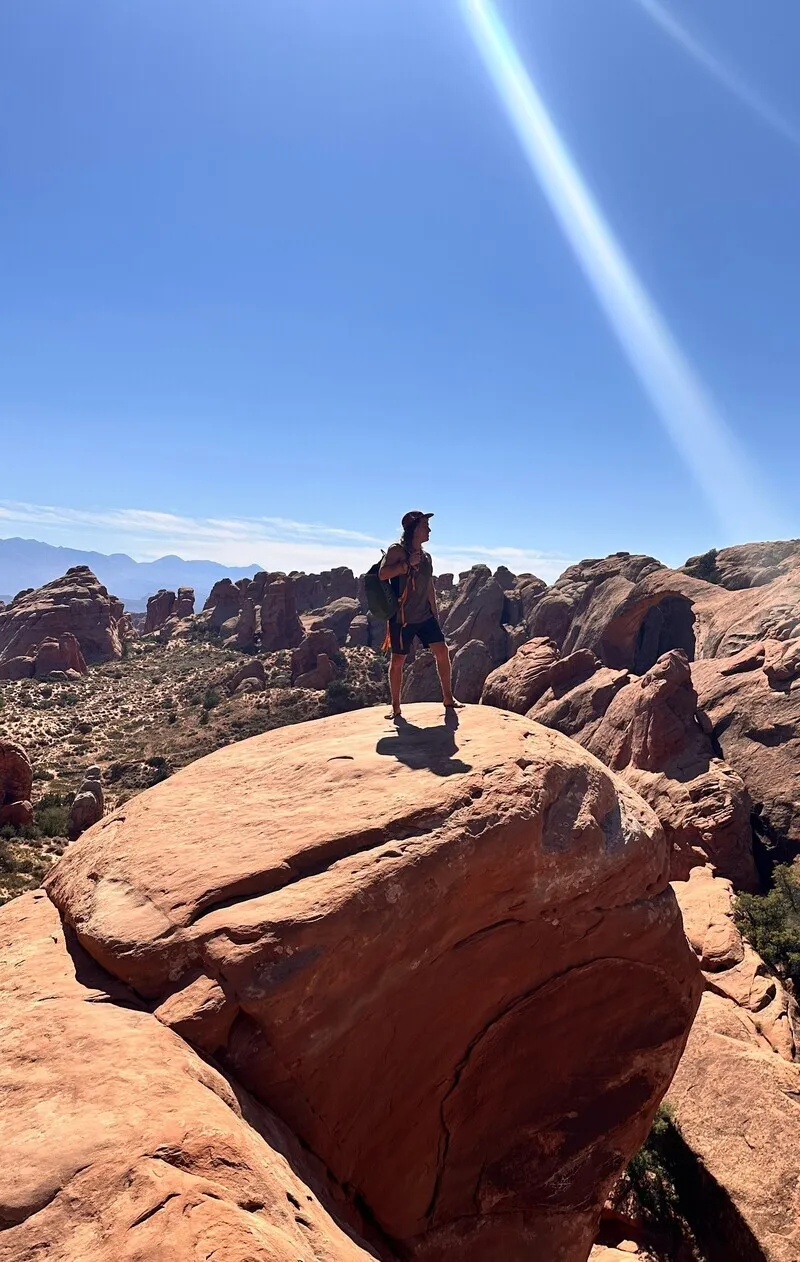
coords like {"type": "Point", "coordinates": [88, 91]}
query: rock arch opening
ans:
{"type": "Point", "coordinates": [636, 639]}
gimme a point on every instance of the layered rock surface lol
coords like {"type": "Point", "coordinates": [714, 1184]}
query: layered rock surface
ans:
{"type": "Point", "coordinates": [314, 907]}
{"type": "Point", "coordinates": [120, 1143]}
{"type": "Point", "coordinates": [648, 729]}
{"type": "Point", "coordinates": [736, 1093]}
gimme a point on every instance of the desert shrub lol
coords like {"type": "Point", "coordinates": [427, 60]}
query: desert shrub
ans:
{"type": "Point", "coordinates": [339, 697]}
{"type": "Point", "coordinates": [211, 699]}
{"type": "Point", "coordinates": [51, 814]}
{"type": "Point", "coordinates": [84, 727]}
{"type": "Point", "coordinates": [70, 697]}
{"type": "Point", "coordinates": [771, 922]}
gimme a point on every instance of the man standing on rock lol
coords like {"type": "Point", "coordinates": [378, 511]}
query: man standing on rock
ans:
{"type": "Point", "coordinates": [410, 571]}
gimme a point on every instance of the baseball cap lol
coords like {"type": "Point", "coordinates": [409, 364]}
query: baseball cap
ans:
{"type": "Point", "coordinates": [411, 519]}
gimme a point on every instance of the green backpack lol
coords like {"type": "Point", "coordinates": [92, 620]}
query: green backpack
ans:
{"type": "Point", "coordinates": [381, 595]}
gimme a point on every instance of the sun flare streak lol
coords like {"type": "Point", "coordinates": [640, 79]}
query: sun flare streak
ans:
{"type": "Point", "coordinates": [696, 429]}
{"type": "Point", "coordinates": [730, 79]}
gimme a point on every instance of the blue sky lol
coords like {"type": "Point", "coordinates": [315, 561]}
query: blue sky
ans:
{"type": "Point", "coordinates": [272, 273]}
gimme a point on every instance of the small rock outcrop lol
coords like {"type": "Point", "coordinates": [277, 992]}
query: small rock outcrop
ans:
{"type": "Point", "coordinates": [16, 783]}
{"type": "Point", "coordinates": [77, 605]}
{"type": "Point", "coordinates": [337, 617]}
{"type": "Point", "coordinates": [312, 938]}
{"type": "Point", "coordinates": [62, 655]}
{"type": "Point", "coordinates": [87, 805]}
{"type": "Point", "coordinates": [251, 673]}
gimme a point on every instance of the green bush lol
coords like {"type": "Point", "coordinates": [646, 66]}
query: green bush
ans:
{"type": "Point", "coordinates": [211, 699]}
{"type": "Point", "coordinates": [340, 696]}
{"type": "Point", "coordinates": [771, 922]}
{"type": "Point", "coordinates": [51, 814]}
{"type": "Point", "coordinates": [649, 1176]}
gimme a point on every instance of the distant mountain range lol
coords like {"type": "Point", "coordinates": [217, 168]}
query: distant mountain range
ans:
{"type": "Point", "coordinates": [29, 563]}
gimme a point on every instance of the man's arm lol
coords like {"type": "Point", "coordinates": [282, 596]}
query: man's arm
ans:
{"type": "Point", "coordinates": [395, 563]}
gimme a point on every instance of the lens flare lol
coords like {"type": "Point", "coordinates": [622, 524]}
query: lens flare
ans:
{"type": "Point", "coordinates": [691, 421]}
{"type": "Point", "coordinates": [730, 79]}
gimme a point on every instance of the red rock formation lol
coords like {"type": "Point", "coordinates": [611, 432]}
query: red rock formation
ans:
{"type": "Point", "coordinates": [184, 603]}
{"type": "Point", "coordinates": [280, 626]}
{"type": "Point", "coordinates": [477, 614]}
{"type": "Point", "coordinates": [757, 725]}
{"type": "Point", "coordinates": [252, 670]}
{"type": "Point", "coordinates": [76, 604]}
{"type": "Point", "coordinates": [305, 656]}
{"type": "Point", "coordinates": [344, 885]}
{"type": "Point", "coordinates": [159, 609]}
{"type": "Point", "coordinates": [16, 783]}
{"type": "Point", "coordinates": [320, 676]}
{"type": "Point", "coordinates": [336, 617]}
{"type": "Point", "coordinates": [648, 729]}
{"type": "Point", "coordinates": [60, 654]}
{"type": "Point", "coordinates": [224, 604]}
{"type": "Point", "coordinates": [746, 565]}
{"type": "Point", "coordinates": [471, 665]}
{"type": "Point", "coordinates": [87, 805]}
{"type": "Point", "coordinates": [124, 1143]}
{"type": "Point", "coordinates": [736, 1088]}
{"type": "Point", "coordinates": [312, 591]}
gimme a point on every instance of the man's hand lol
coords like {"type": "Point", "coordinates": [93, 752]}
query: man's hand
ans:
{"type": "Point", "coordinates": [396, 563]}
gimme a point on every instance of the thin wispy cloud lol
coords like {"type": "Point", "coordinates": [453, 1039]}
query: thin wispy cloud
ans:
{"type": "Point", "coordinates": [693, 424]}
{"type": "Point", "coordinates": [275, 543]}
{"type": "Point", "coordinates": [726, 75]}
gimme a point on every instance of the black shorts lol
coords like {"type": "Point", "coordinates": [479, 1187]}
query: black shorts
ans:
{"type": "Point", "coordinates": [427, 632]}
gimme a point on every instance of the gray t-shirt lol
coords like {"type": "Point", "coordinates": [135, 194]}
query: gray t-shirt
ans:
{"type": "Point", "coordinates": [417, 604]}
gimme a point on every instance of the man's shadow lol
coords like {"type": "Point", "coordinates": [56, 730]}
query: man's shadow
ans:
{"type": "Point", "coordinates": [426, 748]}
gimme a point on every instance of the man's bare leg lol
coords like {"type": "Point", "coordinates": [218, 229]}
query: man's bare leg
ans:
{"type": "Point", "coordinates": [441, 654]}
{"type": "Point", "coordinates": [395, 681]}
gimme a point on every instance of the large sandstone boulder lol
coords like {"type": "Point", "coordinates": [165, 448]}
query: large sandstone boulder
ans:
{"type": "Point", "coordinates": [397, 940]}
{"type": "Point", "coordinates": [120, 1142]}
{"type": "Point", "coordinates": [16, 783]}
{"type": "Point", "coordinates": [755, 718]}
{"type": "Point", "coordinates": [77, 605]}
